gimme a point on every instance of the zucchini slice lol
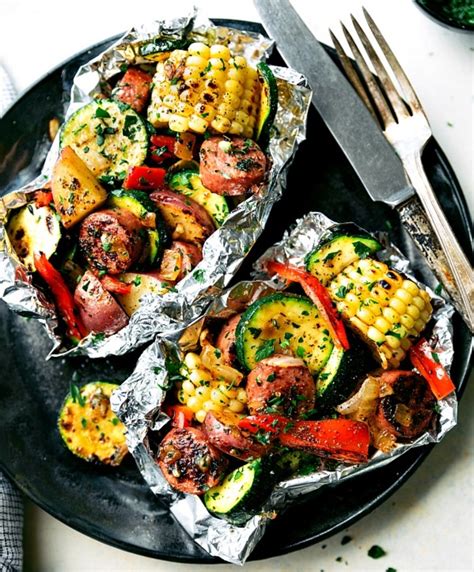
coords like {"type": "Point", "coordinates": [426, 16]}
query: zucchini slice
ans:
{"type": "Point", "coordinates": [89, 427]}
{"type": "Point", "coordinates": [33, 230]}
{"type": "Point", "coordinates": [139, 203]}
{"type": "Point", "coordinates": [339, 377]}
{"type": "Point", "coordinates": [283, 323]}
{"type": "Point", "coordinates": [239, 494]}
{"type": "Point", "coordinates": [189, 183]}
{"type": "Point", "coordinates": [109, 136]}
{"type": "Point", "coordinates": [268, 102]}
{"type": "Point", "coordinates": [339, 251]}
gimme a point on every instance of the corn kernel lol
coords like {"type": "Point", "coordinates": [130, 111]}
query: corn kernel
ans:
{"type": "Point", "coordinates": [407, 321]}
{"type": "Point", "coordinates": [210, 406]}
{"type": "Point", "coordinates": [236, 406]}
{"type": "Point", "coordinates": [204, 111]}
{"type": "Point", "coordinates": [419, 302]}
{"type": "Point", "coordinates": [410, 287]}
{"type": "Point", "coordinates": [359, 324]}
{"type": "Point", "coordinates": [200, 376]}
{"type": "Point", "coordinates": [236, 128]}
{"type": "Point", "coordinates": [390, 315]}
{"type": "Point", "coordinates": [225, 110]}
{"type": "Point", "coordinates": [197, 62]}
{"type": "Point", "coordinates": [220, 51]}
{"type": "Point", "coordinates": [228, 391]}
{"type": "Point", "coordinates": [199, 49]}
{"type": "Point", "coordinates": [234, 87]}
{"type": "Point", "coordinates": [241, 117]}
{"type": "Point", "coordinates": [203, 391]}
{"type": "Point", "coordinates": [194, 403]}
{"type": "Point", "coordinates": [393, 341]}
{"type": "Point", "coordinates": [188, 387]}
{"type": "Point", "coordinates": [420, 325]}
{"type": "Point", "coordinates": [197, 124]}
{"type": "Point", "coordinates": [366, 316]}
{"type": "Point", "coordinates": [413, 311]}
{"type": "Point", "coordinates": [398, 305]}
{"type": "Point", "coordinates": [218, 397]}
{"type": "Point", "coordinates": [192, 360]}
{"type": "Point", "coordinates": [220, 124]}
{"type": "Point", "coordinates": [248, 131]}
{"type": "Point", "coordinates": [404, 296]}
{"type": "Point", "coordinates": [216, 77]}
{"type": "Point", "coordinates": [375, 335]}
{"type": "Point", "coordinates": [200, 415]}
{"type": "Point", "coordinates": [231, 99]}
{"type": "Point", "coordinates": [405, 343]}
{"type": "Point", "coordinates": [242, 395]}
{"type": "Point", "coordinates": [382, 325]}
{"type": "Point", "coordinates": [178, 123]}
{"type": "Point", "coordinates": [237, 75]}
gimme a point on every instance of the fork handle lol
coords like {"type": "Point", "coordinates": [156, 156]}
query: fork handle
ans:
{"type": "Point", "coordinates": [424, 219]}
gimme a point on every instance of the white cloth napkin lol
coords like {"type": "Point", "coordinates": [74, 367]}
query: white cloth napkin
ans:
{"type": "Point", "coordinates": [11, 503]}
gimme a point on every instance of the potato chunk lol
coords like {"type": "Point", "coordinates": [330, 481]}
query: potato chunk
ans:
{"type": "Point", "coordinates": [76, 191]}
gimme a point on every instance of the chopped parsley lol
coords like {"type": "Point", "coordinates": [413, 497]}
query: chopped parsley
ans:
{"type": "Point", "coordinates": [199, 276]}
{"type": "Point", "coordinates": [361, 249]}
{"type": "Point", "coordinates": [255, 332]}
{"type": "Point", "coordinates": [76, 395]}
{"type": "Point", "coordinates": [101, 113]}
{"type": "Point", "coordinates": [376, 551]}
{"type": "Point", "coordinates": [331, 255]}
{"type": "Point", "coordinates": [265, 350]}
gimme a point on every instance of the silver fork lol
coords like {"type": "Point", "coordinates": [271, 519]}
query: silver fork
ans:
{"type": "Point", "coordinates": [406, 127]}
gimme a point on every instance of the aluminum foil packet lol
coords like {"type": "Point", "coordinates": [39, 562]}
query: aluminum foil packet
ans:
{"type": "Point", "coordinates": [227, 247]}
{"type": "Point", "coordinates": [137, 401]}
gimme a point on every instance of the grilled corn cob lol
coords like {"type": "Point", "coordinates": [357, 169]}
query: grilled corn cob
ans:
{"type": "Point", "coordinates": [205, 88]}
{"type": "Point", "coordinates": [203, 391]}
{"type": "Point", "coordinates": [387, 310]}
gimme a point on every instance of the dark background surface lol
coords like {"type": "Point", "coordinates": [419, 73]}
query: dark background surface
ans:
{"type": "Point", "coordinates": [115, 505]}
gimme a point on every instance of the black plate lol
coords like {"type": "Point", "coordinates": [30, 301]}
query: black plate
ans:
{"type": "Point", "coordinates": [116, 506]}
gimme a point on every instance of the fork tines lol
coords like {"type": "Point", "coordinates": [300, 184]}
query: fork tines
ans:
{"type": "Point", "coordinates": [388, 103]}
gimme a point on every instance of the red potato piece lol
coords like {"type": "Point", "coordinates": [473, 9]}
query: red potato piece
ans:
{"type": "Point", "coordinates": [134, 88]}
{"type": "Point", "coordinates": [282, 385]}
{"type": "Point", "coordinates": [189, 462]}
{"type": "Point", "coordinates": [187, 221]}
{"type": "Point", "coordinates": [111, 240]}
{"type": "Point", "coordinates": [226, 340]}
{"type": "Point", "coordinates": [409, 410]}
{"type": "Point", "coordinates": [231, 166]}
{"type": "Point", "coordinates": [98, 310]}
{"type": "Point", "coordinates": [223, 433]}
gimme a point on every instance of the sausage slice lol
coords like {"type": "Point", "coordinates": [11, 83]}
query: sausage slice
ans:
{"type": "Point", "coordinates": [111, 240]}
{"type": "Point", "coordinates": [282, 385]}
{"type": "Point", "coordinates": [226, 340]}
{"type": "Point", "coordinates": [230, 166]}
{"type": "Point", "coordinates": [189, 462]}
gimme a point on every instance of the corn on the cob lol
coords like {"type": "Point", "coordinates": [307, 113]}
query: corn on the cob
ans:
{"type": "Point", "coordinates": [205, 89]}
{"type": "Point", "coordinates": [203, 391]}
{"type": "Point", "coordinates": [382, 306]}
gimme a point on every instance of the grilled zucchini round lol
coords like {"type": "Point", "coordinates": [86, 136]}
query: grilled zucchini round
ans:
{"type": "Point", "coordinates": [89, 427]}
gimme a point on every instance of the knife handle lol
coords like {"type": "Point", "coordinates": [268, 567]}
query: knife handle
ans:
{"type": "Point", "coordinates": [460, 286]}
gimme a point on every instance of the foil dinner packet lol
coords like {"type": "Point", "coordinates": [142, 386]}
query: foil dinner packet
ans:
{"type": "Point", "coordinates": [138, 401]}
{"type": "Point", "coordinates": [224, 250]}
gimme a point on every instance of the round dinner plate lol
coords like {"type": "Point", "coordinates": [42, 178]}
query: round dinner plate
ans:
{"type": "Point", "coordinates": [115, 506]}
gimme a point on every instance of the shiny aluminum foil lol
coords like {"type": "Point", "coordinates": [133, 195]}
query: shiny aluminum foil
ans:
{"type": "Point", "coordinates": [224, 251]}
{"type": "Point", "coordinates": [137, 401]}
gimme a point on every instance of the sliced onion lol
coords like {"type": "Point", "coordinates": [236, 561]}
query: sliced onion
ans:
{"type": "Point", "coordinates": [212, 359]}
{"type": "Point", "coordinates": [362, 405]}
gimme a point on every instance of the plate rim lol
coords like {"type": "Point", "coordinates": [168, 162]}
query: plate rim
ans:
{"type": "Point", "coordinates": [421, 452]}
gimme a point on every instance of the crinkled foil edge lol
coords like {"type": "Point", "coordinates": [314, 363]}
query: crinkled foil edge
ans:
{"type": "Point", "coordinates": [223, 252]}
{"type": "Point", "coordinates": [137, 401]}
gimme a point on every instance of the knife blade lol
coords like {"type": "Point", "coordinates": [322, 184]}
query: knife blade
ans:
{"type": "Point", "coordinates": [373, 159]}
{"type": "Point", "coordinates": [359, 136]}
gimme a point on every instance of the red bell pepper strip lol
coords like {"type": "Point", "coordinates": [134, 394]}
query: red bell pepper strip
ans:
{"type": "Point", "coordinates": [43, 198]}
{"type": "Point", "coordinates": [264, 422]}
{"type": "Point", "coordinates": [145, 178]}
{"type": "Point", "coordinates": [115, 285]}
{"type": "Point", "coordinates": [62, 296]}
{"type": "Point", "coordinates": [162, 147]}
{"type": "Point", "coordinates": [318, 294]}
{"type": "Point", "coordinates": [425, 361]}
{"type": "Point", "coordinates": [181, 416]}
{"type": "Point", "coordinates": [341, 439]}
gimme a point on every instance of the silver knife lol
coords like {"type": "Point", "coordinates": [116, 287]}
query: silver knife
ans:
{"type": "Point", "coordinates": [359, 136]}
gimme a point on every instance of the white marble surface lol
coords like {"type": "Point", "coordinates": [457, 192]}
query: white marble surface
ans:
{"type": "Point", "coordinates": [428, 524]}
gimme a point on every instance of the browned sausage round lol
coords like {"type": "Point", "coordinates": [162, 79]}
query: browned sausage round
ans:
{"type": "Point", "coordinates": [186, 219]}
{"type": "Point", "coordinates": [97, 308]}
{"type": "Point", "coordinates": [226, 340]}
{"type": "Point", "coordinates": [223, 433]}
{"type": "Point", "coordinates": [189, 462]}
{"type": "Point", "coordinates": [282, 385]}
{"type": "Point", "coordinates": [231, 166]}
{"type": "Point", "coordinates": [111, 240]}
{"type": "Point", "coordinates": [409, 410]}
